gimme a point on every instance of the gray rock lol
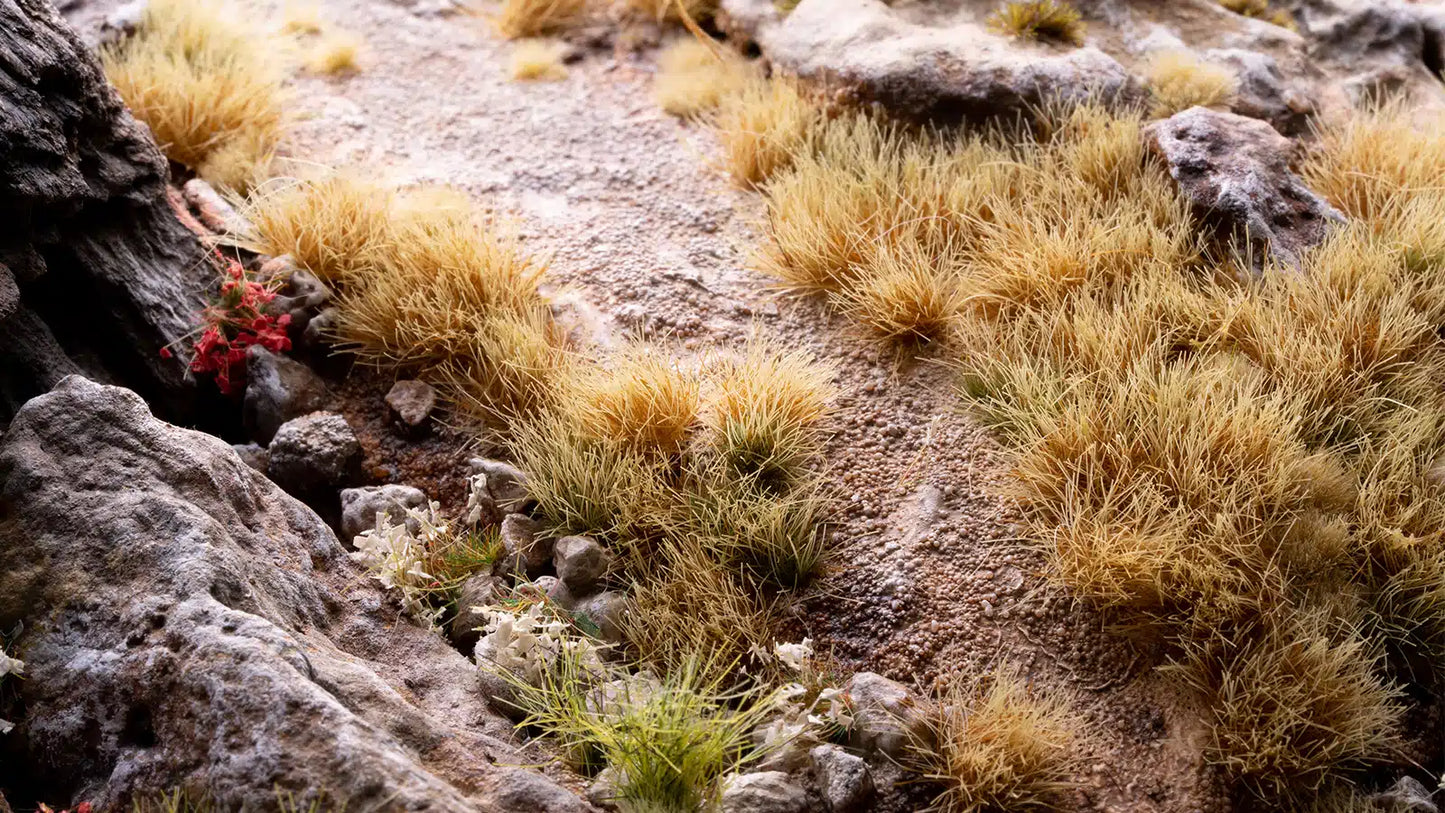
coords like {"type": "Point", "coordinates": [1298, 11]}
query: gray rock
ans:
{"type": "Point", "coordinates": [411, 403]}
{"type": "Point", "coordinates": [843, 779]}
{"type": "Point", "coordinates": [505, 483]}
{"type": "Point", "coordinates": [581, 563]}
{"type": "Point", "coordinates": [603, 790]}
{"type": "Point", "coordinates": [943, 73]}
{"type": "Point", "coordinates": [360, 506]}
{"type": "Point", "coordinates": [9, 293]}
{"type": "Point", "coordinates": [315, 454]}
{"type": "Point", "coordinates": [606, 610]}
{"type": "Point", "coordinates": [762, 792]}
{"type": "Point", "coordinates": [197, 627]}
{"type": "Point", "coordinates": [887, 717]}
{"type": "Point", "coordinates": [278, 388]}
{"type": "Point", "coordinates": [1235, 173]}
{"type": "Point", "coordinates": [559, 594]}
{"type": "Point", "coordinates": [214, 211]}
{"type": "Point", "coordinates": [320, 328]}
{"type": "Point", "coordinates": [1407, 795]}
{"type": "Point", "coordinates": [253, 455]}
{"type": "Point", "coordinates": [1263, 92]}
{"type": "Point", "coordinates": [527, 548]}
{"type": "Point", "coordinates": [300, 295]}
{"type": "Point", "coordinates": [479, 590]}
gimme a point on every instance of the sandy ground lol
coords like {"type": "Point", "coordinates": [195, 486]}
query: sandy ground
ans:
{"type": "Point", "coordinates": [645, 232]}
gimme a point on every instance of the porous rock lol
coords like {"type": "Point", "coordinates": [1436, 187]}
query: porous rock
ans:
{"type": "Point", "coordinates": [887, 717]}
{"type": "Point", "coordinates": [315, 454]}
{"type": "Point", "coordinates": [278, 388]}
{"type": "Point", "coordinates": [1263, 92]}
{"type": "Point", "coordinates": [762, 792]}
{"type": "Point", "coordinates": [844, 780]}
{"type": "Point", "coordinates": [195, 626]}
{"type": "Point", "coordinates": [1235, 172]}
{"type": "Point", "coordinates": [411, 403]}
{"type": "Point", "coordinates": [253, 455]}
{"type": "Point", "coordinates": [580, 562]}
{"type": "Point", "coordinates": [361, 506]}
{"type": "Point", "coordinates": [103, 267]}
{"type": "Point", "coordinates": [949, 72]}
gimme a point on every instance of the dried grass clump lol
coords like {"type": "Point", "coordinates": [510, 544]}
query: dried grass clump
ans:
{"type": "Point", "coordinates": [765, 417]}
{"type": "Point", "coordinates": [334, 54]}
{"type": "Point", "coordinates": [664, 11]}
{"type": "Point", "coordinates": [1179, 80]}
{"type": "Point", "coordinates": [538, 60]}
{"type": "Point", "coordinates": [1369, 163]}
{"type": "Point", "coordinates": [695, 77]}
{"type": "Point", "coordinates": [644, 401]}
{"type": "Point", "coordinates": [335, 226]}
{"type": "Point", "coordinates": [301, 19]}
{"type": "Point", "coordinates": [208, 83]}
{"type": "Point", "coordinates": [763, 127]}
{"type": "Point", "coordinates": [1260, 10]}
{"type": "Point", "coordinates": [520, 19]}
{"type": "Point", "coordinates": [1040, 19]}
{"type": "Point", "coordinates": [1004, 747]}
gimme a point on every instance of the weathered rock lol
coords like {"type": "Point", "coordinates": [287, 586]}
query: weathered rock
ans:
{"type": "Point", "coordinates": [214, 211]}
{"type": "Point", "coordinates": [603, 790]}
{"type": "Point", "coordinates": [319, 328]}
{"type": "Point", "coordinates": [1235, 172]}
{"type": "Point", "coordinates": [505, 483]}
{"type": "Point", "coordinates": [278, 388]}
{"type": "Point", "coordinates": [302, 296]}
{"type": "Point", "coordinates": [762, 792]}
{"type": "Point", "coordinates": [558, 593]}
{"type": "Point", "coordinates": [411, 403]}
{"type": "Point", "coordinates": [525, 544]}
{"type": "Point", "coordinates": [1407, 795]}
{"type": "Point", "coordinates": [478, 591]}
{"type": "Point", "coordinates": [9, 293]}
{"type": "Point", "coordinates": [580, 562]}
{"type": "Point", "coordinates": [948, 72]}
{"type": "Point", "coordinates": [1263, 92]}
{"type": "Point", "coordinates": [606, 610]}
{"type": "Point", "coordinates": [195, 626]}
{"type": "Point", "coordinates": [314, 455]}
{"type": "Point", "coordinates": [253, 455]}
{"type": "Point", "coordinates": [843, 779]}
{"type": "Point", "coordinates": [360, 506]}
{"type": "Point", "coordinates": [88, 237]}
{"type": "Point", "coordinates": [887, 717]}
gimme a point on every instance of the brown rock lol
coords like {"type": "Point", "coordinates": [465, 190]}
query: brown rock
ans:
{"type": "Point", "coordinates": [412, 403]}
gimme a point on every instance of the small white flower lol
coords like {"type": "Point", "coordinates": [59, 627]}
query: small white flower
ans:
{"type": "Point", "coordinates": [10, 666]}
{"type": "Point", "coordinates": [795, 656]}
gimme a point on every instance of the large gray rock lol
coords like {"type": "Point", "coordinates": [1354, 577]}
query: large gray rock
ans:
{"type": "Point", "coordinates": [844, 780]}
{"type": "Point", "coordinates": [887, 717]}
{"type": "Point", "coordinates": [278, 388]}
{"type": "Point", "coordinates": [1235, 172]}
{"type": "Point", "coordinates": [762, 792]}
{"type": "Point", "coordinates": [89, 237]}
{"type": "Point", "coordinates": [581, 563]}
{"type": "Point", "coordinates": [186, 623]}
{"type": "Point", "coordinates": [944, 70]}
{"type": "Point", "coordinates": [360, 506]}
{"type": "Point", "coordinates": [314, 455]}
{"type": "Point", "coordinates": [1263, 91]}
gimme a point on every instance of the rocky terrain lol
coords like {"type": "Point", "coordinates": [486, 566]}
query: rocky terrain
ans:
{"type": "Point", "coordinates": [179, 568]}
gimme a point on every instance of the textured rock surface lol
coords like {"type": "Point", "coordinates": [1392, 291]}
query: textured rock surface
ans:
{"type": "Point", "coordinates": [195, 625]}
{"type": "Point", "coordinates": [477, 591]}
{"type": "Point", "coordinates": [580, 563]}
{"type": "Point", "coordinates": [411, 403]}
{"type": "Point", "coordinates": [99, 257]}
{"type": "Point", "coordinates": [843, 779]}
{"type": "Point", "coordinates": [947, 72]}
{"type": "Point", "coordinates": [1263, 92]}
{"type": "Point", "coordinates": [1235, 173]}
{"type": "Point", "coordinates": [278, 388]}
{"type": "Point", "coordinates": [527, 548]}
{"type": "Point", "coordinates": [887, 716]}
{"type": "Point", "coordinates": [360, 506]}
{"type": "Point", "coordinates": [763, 792]}
{"type": "Point", "coordinates": [315, 454]}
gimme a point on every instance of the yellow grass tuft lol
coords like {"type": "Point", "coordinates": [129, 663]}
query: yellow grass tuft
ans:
{"type": "Point", "coordinates": [208, 83]}
{"type": "Point", "coordinates": [1004, 747]}
{"type": "Point", "coordinates": [520, 19]}
{"type": "Point", "coordinates": [335, 226]}
{"type": "Point", "coordinates": [1373, 161]}
{"type": "Point", "coordinates": [643, 400]}
{"type": "Point", "coordinates": [538, 60]}
{"type": "Point", "coordinates": [334, 54]}
{"type": "Point", "coordinates": [906, 296]}
{"type": "Point", "coordinates": [1040, 19]}
{"type": "Point", "coordinates": [1260, 10]}
{"type": "Point", "coordinates": [763, 127]}
{"type": "Point", "coordinates": [1179, 80]}
{"type": "Point", "coordinates": [667, 10]}
{"type": "Point", "coordinates": [695, 77]}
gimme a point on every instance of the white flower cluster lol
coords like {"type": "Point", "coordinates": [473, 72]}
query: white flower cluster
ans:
{"type": "Point", "coordinates": [9, 666]}
{"type": "Point", "coordinates": [527, 642]}
{"type": "Point", "coordinates": [477, 498]}
{"type": "Point", "coordinates": [395, 555]}
{"type": "Point", "coordinates": [831, 709]}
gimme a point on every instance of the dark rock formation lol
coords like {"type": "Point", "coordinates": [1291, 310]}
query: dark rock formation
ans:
{"type": "Point", "coordinates": [106, 274]}
{"type": "Point", "coordinates": [188, 623]}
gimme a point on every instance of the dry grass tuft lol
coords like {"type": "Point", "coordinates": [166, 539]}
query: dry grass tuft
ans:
{"type": "Point", "coordinates": [335, 226]}
{"type": "Point", "coordinates": [334, 54]}
{"type": "Point", "coordinates": [538, 60]}
{"type": "Point", "coordinates": [643, 400]}
{"type": "Point", "coordinates": [694, 77]}
{"type": "Point", "coordinates": [1040, 19]}
{"type": "Point", "coordinates": [1371, 162]}
{"type": "Point", "coordinates": [763, 127]}
{"type": "Point", "coordinates": [1179, 80]}
{"type": "Point", "coordinates": [1006, 747]}
{"type": "Point", "coordinates": [208, 83]}
{"type": "Point", "coordinates": [520, 19]}
{"type": "Point", "coordinates": [301, 19]}
{"type": "Point", "coordinates": [1260, 10]}
{"type": "Point", "coordinates": [664, 11]}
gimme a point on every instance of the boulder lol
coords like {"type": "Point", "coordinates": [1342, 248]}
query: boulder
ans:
{"type": "Point", "coordinates": [103, 267]}
{"type": "Point", "coordinates": [1235, 172]}
{"type": "Point", "coordinates": [360, 506]}
{"type": "Point", "coordinates": [944, 70]}
{"type": "Point", "coordinates": [762, 792]}
{"type": "Point", "coordinates": [1263, 91]}
{"type": "Point", "coordinates": [411, 403]}
{"type": "Point", "coordinates": [314, 455]}
{"type": "Point", "coordinates": [843, 779]}
{"type": "Point", "coordinates": [190, 624]}
{"type": "Point", "coordinates": [278, 388]}
{"type": "Point", "coordinates": [580, 562]}
{"type": "Point", "coordinates": [887, 717]}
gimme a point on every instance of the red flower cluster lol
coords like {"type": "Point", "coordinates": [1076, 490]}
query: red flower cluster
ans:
{"type": "Point", "coordinates": [83, 807]}
{"type": "Point", "coordinates": [232, 324]}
